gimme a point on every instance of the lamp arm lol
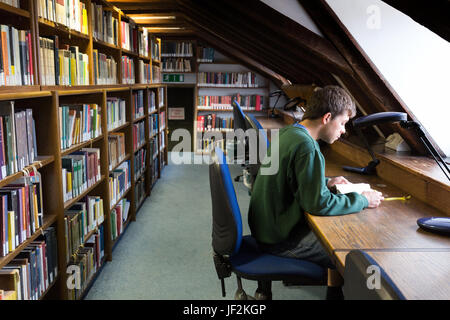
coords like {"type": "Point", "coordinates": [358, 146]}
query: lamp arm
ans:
{"type": "Point", "coordinates": [361, 136]}
{"type": "Point", "coordinates": [273, 115]}
{"type": "Point", "coordinates": [431, 149]}
{"type": "Point", "coordinates": [370, 168]}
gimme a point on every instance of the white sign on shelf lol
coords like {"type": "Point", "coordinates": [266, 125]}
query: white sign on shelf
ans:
{"type": "Point", "coordinates": [176, 113]}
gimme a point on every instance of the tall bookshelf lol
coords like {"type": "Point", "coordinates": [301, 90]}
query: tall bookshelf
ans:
{"type": "Point", "coordinates": [46, 101]}
{"type": "Point", "coordinates": [215, 89]}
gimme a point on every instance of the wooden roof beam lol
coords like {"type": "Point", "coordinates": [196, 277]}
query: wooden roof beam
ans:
{"type": "Point", "coordinates": [280, 28]}
{"type": "Point", "coordinates": [231, 34]}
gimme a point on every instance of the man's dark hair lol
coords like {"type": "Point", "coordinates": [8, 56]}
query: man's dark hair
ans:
{"type": "Point", "coordinates": [331, 99]}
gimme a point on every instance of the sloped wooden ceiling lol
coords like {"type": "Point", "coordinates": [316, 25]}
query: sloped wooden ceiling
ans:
{"type": "Point", "coordinates": [278, 47]}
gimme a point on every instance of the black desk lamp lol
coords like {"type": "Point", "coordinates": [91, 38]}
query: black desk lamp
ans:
{"type": "Point", "coordinates": [277, 94]}
{"type": "Point", "coordinates": [434, 224]}
{"type": "Point", "coordinates": [370, 120]}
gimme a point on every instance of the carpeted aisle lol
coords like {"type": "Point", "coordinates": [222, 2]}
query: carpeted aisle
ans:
{"type": "Point", "coordinates": [166, 253]}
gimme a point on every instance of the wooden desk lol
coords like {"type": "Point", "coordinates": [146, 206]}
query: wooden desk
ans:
{"type": "Point", "coordinates": [420, 275]}
{"type": "Point", "coordinates": [393, 225]}
{"type": "Point", "coordinates": [409, 255]}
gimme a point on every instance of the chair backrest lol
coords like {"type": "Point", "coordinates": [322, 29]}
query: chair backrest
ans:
{"type": "Point", "coordinates": [226, 215]}
{"type": "Point", "coordinates": [240, 122]}
{"type": "Point", "coordinates": [357, 282]}
{"type": "Point", "coordinates": [257, 126]}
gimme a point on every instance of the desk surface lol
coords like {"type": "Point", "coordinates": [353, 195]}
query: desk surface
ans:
{"type": "Point", "coordinates": [420, 275]}
{"type": "Point", "coordinates": [393, 225]}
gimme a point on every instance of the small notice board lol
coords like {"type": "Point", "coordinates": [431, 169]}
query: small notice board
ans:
{"type": "Point", "coordinates": [176, 113]}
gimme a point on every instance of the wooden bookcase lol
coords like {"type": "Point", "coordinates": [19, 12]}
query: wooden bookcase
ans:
{"type": "Point", "coordinates": [221, 63]}
{"type": "Point", "coordinates": [45, 102]}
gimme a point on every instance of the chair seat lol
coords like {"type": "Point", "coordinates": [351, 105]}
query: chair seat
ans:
{"type": "Point", "coordinates": [252, 263]}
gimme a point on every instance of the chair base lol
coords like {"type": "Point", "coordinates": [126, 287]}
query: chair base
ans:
{"type": "Point", "coordinates": [263, 292]}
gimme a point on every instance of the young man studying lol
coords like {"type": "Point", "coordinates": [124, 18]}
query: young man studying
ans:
{"type": "Point", "coordinates": [278, 202]}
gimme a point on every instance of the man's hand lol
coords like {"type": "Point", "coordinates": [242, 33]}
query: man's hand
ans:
{"type": "Point", "coordinates": [337, 180]}
{"type": "Point", "coordinates": [374, 197]}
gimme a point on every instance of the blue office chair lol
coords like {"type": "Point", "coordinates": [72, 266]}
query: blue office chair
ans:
{"type": "Point", "coordinates": [240, 122]}
{"type": "Point", "coordinates": [251, 169]}
{"type": "Point", "coordinates": [238, 254]}
{"type": "Point", "coordinates": [356, 274]}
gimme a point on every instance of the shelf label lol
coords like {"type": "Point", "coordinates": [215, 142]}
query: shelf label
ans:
{"type": "Point", "coordinates": [176, 113]}
{"type": "Point", "coordinates": [173, 77]}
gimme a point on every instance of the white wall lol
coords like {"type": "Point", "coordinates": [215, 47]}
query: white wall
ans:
{"type": "Point", "coordinates": [414, 60]}
{"type": "Point", "coordinates": [292, 9]}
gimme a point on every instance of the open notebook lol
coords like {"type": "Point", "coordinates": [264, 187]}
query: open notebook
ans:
{"type": "Point", "coordinates": [352, 187]}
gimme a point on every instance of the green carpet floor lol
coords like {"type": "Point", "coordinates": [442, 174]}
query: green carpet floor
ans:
{"type": "Point", "coordinates": [166, 253]}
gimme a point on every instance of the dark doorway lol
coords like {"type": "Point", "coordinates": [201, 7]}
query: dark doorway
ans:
{"type": "Point", "coordinates": [181, 97]}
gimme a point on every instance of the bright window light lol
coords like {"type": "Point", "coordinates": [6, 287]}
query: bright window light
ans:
{"type": "Point", "coordinates": [414, 60]}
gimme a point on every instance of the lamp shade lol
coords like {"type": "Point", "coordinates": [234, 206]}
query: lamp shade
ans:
{"type": "Point", "coordinates": [380, 117]}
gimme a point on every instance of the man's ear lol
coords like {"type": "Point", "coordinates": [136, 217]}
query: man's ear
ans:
{"type": "Point", "coordinates": [326, 118]}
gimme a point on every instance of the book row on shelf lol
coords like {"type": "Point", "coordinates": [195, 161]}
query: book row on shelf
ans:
{"type": "Point", "coordinates": [138, 98]}
{"type": "Point", "coordinates": [116, 148]}
{"type": "Point", "coordinates": [79, 123]}
{"type": "Point", "coordinates": [139, 163]}
{"type": "Point", "coordinates": [129, 36]}
{"type": "Point", "coordinates": [207, 145]}
{"type": "Point", "coordinates": [206, 55]}
{"type": "Point", "coordinates": [62, 64]}
{"type": "Point", "coordinates": [16, 57]}
{"type": "Point", "coordinates": [128, 71]}
{"type": "Point", "coordinates": [153, 147]}
{"type": "Point", "coordinates": [246, 102]}
{"type": "Point", "coordinates": [138, 134]}
{"type": "Point", "coordinates": [140, 191]}
{"type": "Point", "coordinates": [177, 49]}
{"type": "Point", "coordinates": [85, 263]}
{"type": "Point", "coordinates": [13, 3]}
{"type": "Point", "coordinates": [86, 184]}
{"type": "Point", "coordinates": [17, 138]}
{"type": "Point", "coordinates": [72, 14]}
{"type": "Point", "coordinates": [119, 216]}
{"type": "Point", "coordinates": [152, 101]}
{"type": "Point", "coordinates": [33, 271]}
{"type": "Point", "coordinates": [145, 72]}
{"type": "Point", "coordinates": [58, 60]}
{"type": "Point", "coordinates": [81, 219]}
{"type": "Point", "coordinates": [228, 79]}
{"type": "Point", "coordinates": [20, 212]}
{"type": "Point", "coordinates": [153, 124]}
{"type": "Point", "coordinates": [119, 182]}
{"type": "Point", "coordinates": [105, 68]}
{"type": "Point", "coordinates": [105, 26]}
{"type": "Point", "coordinates": [176, 65]}
{"type": "Point", "coordinates": [212, 122]}
{"type": "Point", "coordinates": [155, 50]}
{"type": "Point", "coordinates": [116, 112]}
{"type": "Point", "coordinates": [80, 171]}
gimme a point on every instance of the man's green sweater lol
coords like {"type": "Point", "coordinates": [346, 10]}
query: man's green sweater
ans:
{"type": "Point", "coordinates": [278, 201]}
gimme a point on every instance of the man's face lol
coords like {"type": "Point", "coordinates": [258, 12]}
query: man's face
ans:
{"type": "Point", "coordinates": [334, 128]}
